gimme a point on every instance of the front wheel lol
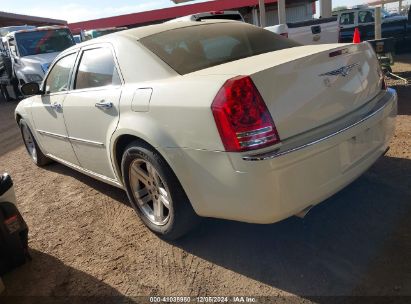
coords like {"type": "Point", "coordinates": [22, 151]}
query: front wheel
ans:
{"type": "Point", "coordinates": [31, 145]}
{"type": "Point", "coordinates": [155, 193]}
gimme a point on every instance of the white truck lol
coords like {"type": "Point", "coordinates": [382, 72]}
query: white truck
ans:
{"type": "Point", "coordinates": [315, 31]}
{"type": "Point", "coordinates": [340, 28]}
{"type": "Point", "coordinates": [27, 54]}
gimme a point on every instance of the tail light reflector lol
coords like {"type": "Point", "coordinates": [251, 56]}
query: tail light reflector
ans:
{"type": "Point", "coordinates": [242, 117]}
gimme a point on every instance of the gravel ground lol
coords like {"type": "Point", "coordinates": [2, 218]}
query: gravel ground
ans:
{"type": "Point", "coordinates": [86, 240]}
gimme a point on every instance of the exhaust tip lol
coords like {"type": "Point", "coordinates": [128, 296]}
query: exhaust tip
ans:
{"type": "Point", "coordinates": [304, 212]}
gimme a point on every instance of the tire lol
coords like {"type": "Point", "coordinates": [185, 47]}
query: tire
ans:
{"type": "Point", "coordinates": [149, 193]}
{"type": "Point", "coordinates": [31, 145]}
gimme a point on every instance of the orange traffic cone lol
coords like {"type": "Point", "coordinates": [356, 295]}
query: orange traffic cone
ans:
{"type": "Point", "coordinates": [357, 36]}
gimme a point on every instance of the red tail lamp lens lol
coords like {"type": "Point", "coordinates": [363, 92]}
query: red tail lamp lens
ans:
{"type": "Point", "coordinates": [242, 117]}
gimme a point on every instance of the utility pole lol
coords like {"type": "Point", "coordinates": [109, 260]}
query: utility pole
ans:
{"type": "Point", "coordinates": [261, 5]}
{"type": "Point", "coordinates": [377, 22]}
{"type": "Point", "coordinates": [282, 19]}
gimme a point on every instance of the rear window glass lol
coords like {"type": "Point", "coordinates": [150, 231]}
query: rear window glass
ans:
{"type": "Point", "coordinates": [199, 47]}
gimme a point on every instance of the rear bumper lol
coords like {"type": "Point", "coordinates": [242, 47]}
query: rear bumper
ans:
{"type": "Point", "coordinates": [273, 185]}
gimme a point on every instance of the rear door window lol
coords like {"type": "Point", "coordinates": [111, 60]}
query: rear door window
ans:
{"type": "Point", "coordinates": [365, 17]}
{"type": "Point", "coordinates": [347, 19]}
{"type": "Point", "coordinates": [193, 48]}
{"type": "Point", "coordinates": [96, 69]}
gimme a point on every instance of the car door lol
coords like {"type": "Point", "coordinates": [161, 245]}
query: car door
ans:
{"type": "Point", "coordinates": [366, 24]}
{"type": "Point", "coordinates": [91, 110]}
{"type": "Point", "coordinates": [47, 111]}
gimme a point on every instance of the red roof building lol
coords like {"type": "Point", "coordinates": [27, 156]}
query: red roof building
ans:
{"type": "Point", "coordinates": [297, 10]}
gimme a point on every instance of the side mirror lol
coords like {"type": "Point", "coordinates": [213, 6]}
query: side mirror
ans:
{"type": "Point", "coordinates": [31, 88]}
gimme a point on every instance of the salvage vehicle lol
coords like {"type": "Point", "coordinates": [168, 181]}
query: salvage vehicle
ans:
{"type": "Point", "coordinates": [30, 52]}
{"type": "Point", "coordinates": [91, 34]}
{"type": "Point", "coordinates": [212, 119]}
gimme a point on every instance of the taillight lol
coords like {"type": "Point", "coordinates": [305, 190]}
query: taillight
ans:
{"type": "Point", "coordinates": [242, 117]}
{"type": "Point", "coordinates": [284, 35]}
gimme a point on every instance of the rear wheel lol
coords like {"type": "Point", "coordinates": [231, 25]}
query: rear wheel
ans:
{"type": "Point", "coordinates": [31, 145]}
{"type": "Point", "coordinates": [155, 193]}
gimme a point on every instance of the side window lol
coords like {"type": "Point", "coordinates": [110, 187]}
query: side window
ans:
{"type": "Point", "coordinates": [347, 18]}
{"type": "Point", "coordinates": [97, 69]}
{"type": "Point", "coordinates": [58, 78]}
{"type": "Point", "coordinates": [12, 46]}
{"type": "Point", "coordinates": [365, 17]}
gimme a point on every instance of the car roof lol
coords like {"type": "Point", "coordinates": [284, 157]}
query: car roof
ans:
{"type": "Point", "coordinates": [149, 30]}
{"type": "Point", "coordinates": [144, 31]}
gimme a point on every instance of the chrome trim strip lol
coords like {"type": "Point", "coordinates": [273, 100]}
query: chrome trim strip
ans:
{"type": "Point", "coordinates": [254, 132]}
{"type": "Point", "coordinates": [100, 177]}
{"type": "Point", "coordinates": [52, 134]}
{"type": "Point", "coordinates": [276, 153]}
{"type": "Point", "coordinates": [256, 142]}
{"type": "Point", "coordinates": [84, 141]}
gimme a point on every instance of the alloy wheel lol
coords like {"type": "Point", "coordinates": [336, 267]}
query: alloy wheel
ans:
{"type": "Point", "coordinates": [150, 192]}
{"type": "Point", "coordinates": [29, 142]}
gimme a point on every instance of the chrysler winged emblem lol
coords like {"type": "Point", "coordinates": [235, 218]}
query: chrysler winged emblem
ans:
{"type": "Point", "coordinates": [343, 71]}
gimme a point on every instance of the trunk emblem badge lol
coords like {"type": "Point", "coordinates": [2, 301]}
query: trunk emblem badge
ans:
{"type": "Point", "coordinates": [343, 71]}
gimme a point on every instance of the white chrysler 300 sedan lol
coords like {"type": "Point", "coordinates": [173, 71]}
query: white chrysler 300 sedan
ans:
{"type": "Point", "coordinates": [213, 119]}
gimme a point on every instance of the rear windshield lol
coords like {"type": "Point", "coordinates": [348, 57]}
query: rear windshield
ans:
{"type": "Point", "coordinates": [199, 47]}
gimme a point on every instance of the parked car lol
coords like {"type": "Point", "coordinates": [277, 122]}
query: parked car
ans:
{"type": "Point", "coordinates": [363, 18]}
{"type": "Point", "coordinates": [91, 34]}
{"type": "Point", "coordinates": [214, 119]}
{"type": "Point", "coordinates": [30, 53]}
{"type": "Point", "coordinates": [226, 15]}
{"type": "Point", "coordinates": [315, 31]}
{"type": "Point", "coordinates": [13, 229]}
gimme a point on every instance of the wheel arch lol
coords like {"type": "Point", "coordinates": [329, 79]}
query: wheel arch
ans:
{"type": "Point", "coordinates": [120, 143]}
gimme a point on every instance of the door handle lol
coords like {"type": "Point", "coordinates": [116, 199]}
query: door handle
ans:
{"type": "Point", "coordinates": [56, 106]}
{"type": "Point", "coordinates": [104, 105]}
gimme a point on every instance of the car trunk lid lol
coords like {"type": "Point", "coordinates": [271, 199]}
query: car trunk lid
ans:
{"type": "Point", "coordinates": [309, 86]}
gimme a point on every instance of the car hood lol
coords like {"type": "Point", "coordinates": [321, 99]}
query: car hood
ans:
{"type": "Point", "coordinates": [42, 59]}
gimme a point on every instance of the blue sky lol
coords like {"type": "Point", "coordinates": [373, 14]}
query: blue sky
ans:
{"type": "Point", "coordinates": [77, 10]}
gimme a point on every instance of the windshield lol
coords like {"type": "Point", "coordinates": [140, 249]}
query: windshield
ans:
{"type": "Point", "coordinates": [199, 47]}
{"type": "Point", "coordinates": [44, 41]}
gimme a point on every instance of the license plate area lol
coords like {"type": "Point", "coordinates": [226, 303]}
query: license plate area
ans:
{"type": "Point", "coordinates": [360, 145]}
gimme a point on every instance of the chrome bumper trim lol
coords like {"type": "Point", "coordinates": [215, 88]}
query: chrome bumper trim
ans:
{"type": "Point", "coordinates": [277, 153]}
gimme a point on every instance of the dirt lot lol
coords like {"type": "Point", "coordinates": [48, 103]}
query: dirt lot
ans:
{"type": "Point", "coordinates": [86, 240]}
